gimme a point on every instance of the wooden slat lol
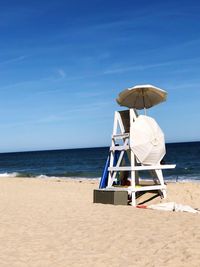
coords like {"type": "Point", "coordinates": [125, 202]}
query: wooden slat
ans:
{"type": "Point", "coordinates": [137, 189]}
{"type": "Point", "coordinates": [141, 168]}
{"type": "Point", "coordinates": [148, 188]}
{"type": "Point", "coordinates": [120, 136]}
{"type": "Point", "coordinates": [119, 148]}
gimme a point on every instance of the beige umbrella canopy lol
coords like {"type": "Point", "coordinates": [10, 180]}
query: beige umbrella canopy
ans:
{"type": "Point", "coordinates": [147, 140]}
{"type": "Point", "coordinates": [141, 96]}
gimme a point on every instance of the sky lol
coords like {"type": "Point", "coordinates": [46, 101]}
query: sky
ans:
{"type": "Point", "coordinates": [63, 64]}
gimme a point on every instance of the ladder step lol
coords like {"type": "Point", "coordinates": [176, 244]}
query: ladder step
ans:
{"type": "Point", "coordinates": [149, 187]}
{"type": "Point", "coordinates": [137, 189]}
{"type": "Point", "coordinates": [142, 168]}
{"type": "Point", "coordinates": [120, 136]}
{"type": "Point", "coordinates": [119, 148]}
{"type": "Point", "coordinates": [119, 169]}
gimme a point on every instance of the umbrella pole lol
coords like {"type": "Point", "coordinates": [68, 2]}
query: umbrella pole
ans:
{"type": "Point", "coordinates": [145, 111]}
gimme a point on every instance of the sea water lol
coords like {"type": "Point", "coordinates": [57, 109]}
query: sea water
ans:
{"type": "Point", "coordinates": [89, 162]}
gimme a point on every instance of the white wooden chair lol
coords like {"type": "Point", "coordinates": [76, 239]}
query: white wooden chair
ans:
{"type": "Point", "coordinates": [121, 136]}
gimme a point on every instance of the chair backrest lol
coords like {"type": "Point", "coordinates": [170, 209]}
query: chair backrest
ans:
{"type": "Point", "coordinates": [124, 114]}
{"type": "Point", "coordinates": [125, 117]}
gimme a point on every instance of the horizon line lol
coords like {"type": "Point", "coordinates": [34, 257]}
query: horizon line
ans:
{"type": "Point", "coordinates": [59, 149]}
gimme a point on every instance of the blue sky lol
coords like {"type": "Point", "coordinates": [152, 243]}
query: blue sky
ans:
{"type": "Point", "coordinates": [63, 63]}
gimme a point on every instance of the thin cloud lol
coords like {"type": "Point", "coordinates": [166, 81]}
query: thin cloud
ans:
{"type": "Point", "coordinates": [13, 60]}
{"type": "Point", "coordinates": [23, 84]}
{"type": "Point", "coordinates": [148, 66]}
{"type": "Point", "coordinates": [137, 67]}
{"type": "Point", "coordinates": [191, 85]}
{"type": "Point", "coordinates": [92, 94]}
{"type": "Point", "coordinates": [72, 114]}
{"type": "Point", "coordinates": [61, 73]}
{"type": "Point", "coordinates": [51, 118]}
{"type": "Point", "coordinates": [45, 120]}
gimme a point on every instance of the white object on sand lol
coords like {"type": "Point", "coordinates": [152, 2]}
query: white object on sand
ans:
{"type": "Point", "coordinates": [172, 206]}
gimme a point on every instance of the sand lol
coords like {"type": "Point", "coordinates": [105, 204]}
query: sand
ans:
{"type": "Point", "coordinates": [54, 223]}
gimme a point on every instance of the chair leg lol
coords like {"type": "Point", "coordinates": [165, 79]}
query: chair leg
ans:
{"type": "Point", "coordinates": [161, 180]}
{"type": "Point", "coordinates": [133, 199]}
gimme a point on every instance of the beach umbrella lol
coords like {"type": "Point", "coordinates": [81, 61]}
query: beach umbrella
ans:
{"type": "Point", "coordinates": [141, 96]}
{"type": "Point", "coordinates": [147, 140]}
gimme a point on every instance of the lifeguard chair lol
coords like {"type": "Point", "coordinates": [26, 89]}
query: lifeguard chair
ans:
{"type": "Point", "coordinates": [125, 165]}
{"type": "Point", "coordinates": [137, 146]}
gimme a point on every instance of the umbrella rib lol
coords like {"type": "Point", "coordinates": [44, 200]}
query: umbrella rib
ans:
{"type": "Point", "coordinates": [143, 98]}
{"type": "Point", "coordinates": [149, 99]}
{"type": "Point", "coordinates": [136, 99]}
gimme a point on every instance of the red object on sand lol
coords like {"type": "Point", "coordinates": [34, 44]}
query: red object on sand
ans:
{"type": "Point", "coordinates": [142, 206]}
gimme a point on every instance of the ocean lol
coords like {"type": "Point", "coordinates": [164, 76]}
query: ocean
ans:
{"type": "Point", "coordinates": [89, 162]}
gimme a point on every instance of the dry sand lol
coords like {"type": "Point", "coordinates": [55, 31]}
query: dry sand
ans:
{"type": "Point", "coordinates": [54, 223]}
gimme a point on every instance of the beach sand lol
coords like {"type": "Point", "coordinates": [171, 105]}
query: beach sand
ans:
{"type": "Point", "coordinates": [53, 222]}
